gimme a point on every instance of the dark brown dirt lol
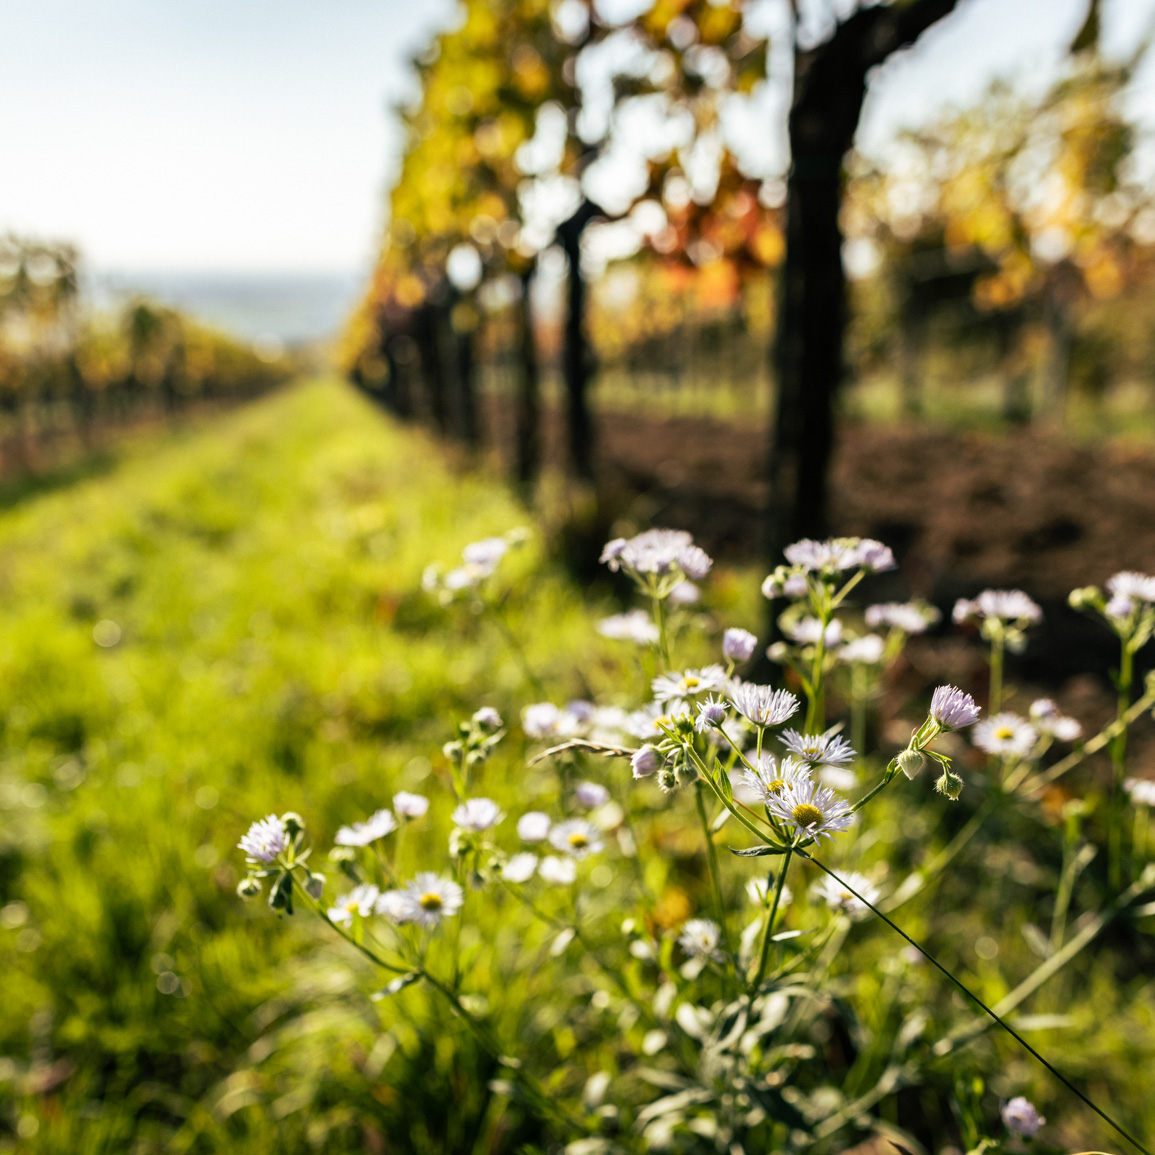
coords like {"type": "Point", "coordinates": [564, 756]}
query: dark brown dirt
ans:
{"type": "Point", "coordinates": [1021, 509]}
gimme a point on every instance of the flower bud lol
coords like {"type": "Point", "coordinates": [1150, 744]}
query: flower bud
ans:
{"type": "Point", "coordinates": [249, 887]}
{"type": "Point", "coordinates": [1085, 596]}
{"type": "Point", "coordinates": [645, 761]}
{"type": "Point", "coordinates": [315, 885]}
{"type": "Point", "coordinates": [772, 586]}
{"type": "Point", "coordinates": [683, 726]}
{"type": "Point", "coordinates": [293, 823]}
{"type": "Point", "coordinates": [738, 645]}
{"type": "Point", "coordinates": [911, 762]}
{"type": "Point", "coordinates": [667, 779]}
{"type": "Point", "coordinates": [452, 750]}
{"type": "Point", "coordinates": [487, 718]}
{"type": "Point", "coordinates": [949, 784]}
{"type": "Point", "coordinates": [711, 714]}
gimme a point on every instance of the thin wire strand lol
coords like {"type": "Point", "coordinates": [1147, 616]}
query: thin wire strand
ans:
{"type": "Point", "coordinates": [970, 994]}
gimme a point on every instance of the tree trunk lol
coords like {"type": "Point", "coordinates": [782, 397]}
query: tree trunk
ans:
{"type": "Point", "coordinates": [829, 86]}
{"type": "Point", "coordinates": [428, 336]}
{"type": "Point", "coordinates": [527, 419]}
{"type": "Point", "coordinates": [1056, 369]}
{"type": "Point", "coordinates": [464, 324]}
{"type": "Point", "coordinates": [576, 354]}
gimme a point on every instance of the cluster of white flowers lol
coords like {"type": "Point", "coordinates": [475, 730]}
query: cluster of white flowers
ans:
{"type": "Point", "coordinates": [479, 561]}
{"type": "Point", "coordinates": [576, 719]}
{"type": "Point", "coordinates": [907, 617]}
{"type": "Point", "coordinates": [634, 626]}
{"type": "Point", "coordinates": [658, 553]}
{"type": "Point", "coordinates": [845, 895]}
{"type": "Point", "coordinates": [1130, 591]}
{"type": "Point", "coordinates": [1008, 606]}
{"type": "Point", "coordinates": [1141, 791]}
{"type": "Point", "coordinates": [723, 739]}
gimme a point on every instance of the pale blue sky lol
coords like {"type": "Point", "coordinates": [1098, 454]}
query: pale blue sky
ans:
{"type": "Point", "coordinates": [254, 134]}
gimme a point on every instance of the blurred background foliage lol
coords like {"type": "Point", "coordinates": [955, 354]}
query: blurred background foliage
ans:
{"type": "Point", "coordinates": [67, 372]}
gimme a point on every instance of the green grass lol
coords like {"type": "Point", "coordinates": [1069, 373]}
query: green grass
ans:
{"type": "Point", "coordinates": [276, 653]}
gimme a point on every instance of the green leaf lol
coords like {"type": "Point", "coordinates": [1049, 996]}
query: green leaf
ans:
{"type": "Point", "coordinates": [757, 851]}
{"type": "Point", "coordinates": [723, 781]}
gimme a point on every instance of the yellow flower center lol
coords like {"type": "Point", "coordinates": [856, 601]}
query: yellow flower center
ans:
{"type": "Point", "coordinates": [578, 840]}
{"type": "Point", "coordinates": [777, 786]}
{"type": "Point", "coordinates": [431, 901]}
{"type": "Point", "coordinates": [690, 682]}
{"type": "Point", "coordinates": [1004, 732]}
{"type": "Point", "coordinates": [663, 720]}
{"type": "Point", "coordinates": [807, 815]}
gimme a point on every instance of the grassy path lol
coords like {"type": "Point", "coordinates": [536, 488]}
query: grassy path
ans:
{"type": "Point", "coordinates": [258, 580]}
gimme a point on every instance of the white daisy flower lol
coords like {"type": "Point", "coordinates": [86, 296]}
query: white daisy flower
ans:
{"type": "Point", "coordinates": [540, 720]}
{"type": "Point", "coordinates": [763, 705]}
{"type": "Point", "coordinates": [265, 839]}
{"type": "Point", "coordinates": [635, 626]}
{"type": "Point", "coordinates": [771, 776]}
{"type": "Point", "coordinates": [819, 749]}
{"type": "Point", "coordinates": [836, 777]}
{"type": "Point", "coordinates": [576, 837]}
{"type": "Point", "coordinates": [952, 709]}
{"type": "Point", "coordinates": [865, 651]}
{"type": "Point", "coordinates": [533, 826]}
{"type": "Point", "coordinates": [484, 555]}
{"type": "Point", "coordinates": [810, 809]}
{"type": "Point", "coordinates": [648, 722]}
{"type": "Point", "coordinates": [1005, 734]}
{"type": "Point", "coordinates": [429, 898]}
{"type": "Point", "coordinates": [591, 795]}
{"type": "Point", "coordinates": [1048, 719]}
{"type": "Point", "coordinates": [700, 937]}
{"type": "Point", "coordinates": [477, 814]}
{"type": "Point", "coordinates": [378, 825]}
{"type": "Point", "coordinates": [559, 871]}
{"type": "Point", "coordinates": [520, 868]}
{"type": "Point", "coordinates": [761, 893]}
{"type": "Point", "coordinates": [689, 683]}
{"type": "Point", "coordinates": [406, 805]}
{"type": "Point", "coordinates": [807, 632]}
{"type": "Point", "coordinates": [1141, 791]}
{"type": "Point", "coordinates": [360, 900]}
{"type": "Point", "coordinates": [835, 895]}
{"type": "Point", "coordinates": [685, 594]}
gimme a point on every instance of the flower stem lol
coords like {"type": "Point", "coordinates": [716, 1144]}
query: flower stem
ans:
{"type": "Point", "coordinates": [663, 637]}
{"type": "Point", "coordinates": [771, 915]}
{"type": "Point", "coordinates": [983, 1006]}
{"type": "Point", "coordinates": [712, 856]}
{"type": "Point", "coordinates": [995, 697]}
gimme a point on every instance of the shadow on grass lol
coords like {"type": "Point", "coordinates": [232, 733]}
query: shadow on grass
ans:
{"type": "Point", "coordinates": [21, 487]}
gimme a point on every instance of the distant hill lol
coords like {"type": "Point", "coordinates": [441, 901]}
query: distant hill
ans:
{"type": "Point", "coordinates": [292, 307]}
